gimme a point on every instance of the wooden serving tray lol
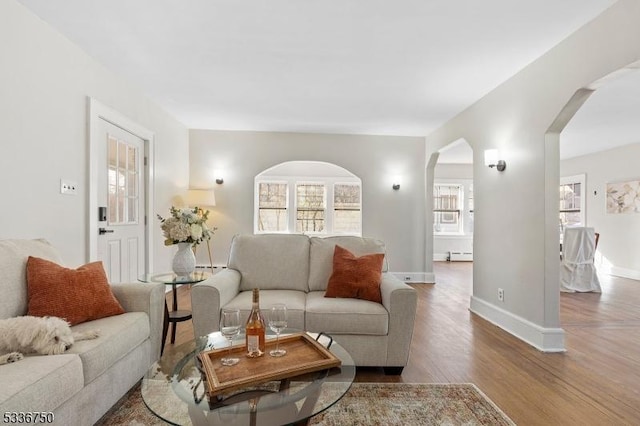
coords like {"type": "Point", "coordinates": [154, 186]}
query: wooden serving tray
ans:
{"type": "Point", "coordinates": [304, 355]}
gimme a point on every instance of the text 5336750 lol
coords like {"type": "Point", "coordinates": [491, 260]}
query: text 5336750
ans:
{"type": "Point", "coordinates": [33, 417]}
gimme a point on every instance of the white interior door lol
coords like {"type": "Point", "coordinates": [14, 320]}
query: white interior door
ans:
{"type": "Point", "coordinates": [121, 203]}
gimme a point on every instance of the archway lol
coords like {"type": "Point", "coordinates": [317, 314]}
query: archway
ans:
{"type": "Point", "coordinates": [450, 203]}
{"type": "Point", "coordinates": [581, 119]}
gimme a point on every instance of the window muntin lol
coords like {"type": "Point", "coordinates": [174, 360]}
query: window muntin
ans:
{"type": "Point", "coordinates": [447, 208]}
{"type": "Point", "coordinates": [273, 213]}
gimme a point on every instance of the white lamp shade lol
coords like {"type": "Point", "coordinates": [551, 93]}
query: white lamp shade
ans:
{"type": "Point", "coordinates": [201, 198]}
{"type": "Point", "coordinates": [491, 157]}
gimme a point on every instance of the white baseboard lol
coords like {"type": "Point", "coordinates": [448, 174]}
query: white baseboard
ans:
{"type": "Point", "coordinates": [541, 338]}
{"type": "Point", "coordinates": [624, 273]}
{"type": "Point", "coordinates": [440, 257]}
{"type": "Point", "coordinates": [461, 256]}
{"type": "Point", "coordinates": [415, 277]}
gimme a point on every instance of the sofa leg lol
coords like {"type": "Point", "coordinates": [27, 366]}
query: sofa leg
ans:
{"type": "Point", "coordinates": [393, 371]}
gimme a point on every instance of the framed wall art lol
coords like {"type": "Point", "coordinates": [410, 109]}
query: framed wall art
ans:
{"type": "Point", "coordinates": [623, 197]}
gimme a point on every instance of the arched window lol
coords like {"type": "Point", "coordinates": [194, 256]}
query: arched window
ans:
{"type": "Point", "coordinates": [308, 197]}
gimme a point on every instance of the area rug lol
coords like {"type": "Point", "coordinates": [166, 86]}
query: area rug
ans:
{"type": "Point", "coordinates": [367, 404]}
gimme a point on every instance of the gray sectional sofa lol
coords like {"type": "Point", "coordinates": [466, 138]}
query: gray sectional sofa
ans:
{"type": "Point", "coordinates": [79, 386]}
{"type": "Point", "coordinates": [295, 269]}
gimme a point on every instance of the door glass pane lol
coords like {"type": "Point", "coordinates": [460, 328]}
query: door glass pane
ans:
{"type": "Point", "coordinates": [122, 154]}
{"type": "Point", "coordinates": [120, 201]}
{"type": "Point", "coordinates": [113, 213]}
{"type": "Point", "coordinates": [112, 155]}
{"type": "Point", "coordinates": [132, 210]}
{"type": "Point", "coordinates": [121, 182]}
{"type": "Point", "coordinates": [132, 164]}
{"type": "Point", "coordinates": [132, 182]}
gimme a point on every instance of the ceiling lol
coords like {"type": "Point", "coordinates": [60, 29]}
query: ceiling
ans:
{"type": "Point", "coordinates": [399, 67]}
{"type": "Point", "coordinates": [608, 119]}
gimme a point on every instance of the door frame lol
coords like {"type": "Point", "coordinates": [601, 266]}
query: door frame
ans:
{"type": "Point", "coordinates": [98, 111]}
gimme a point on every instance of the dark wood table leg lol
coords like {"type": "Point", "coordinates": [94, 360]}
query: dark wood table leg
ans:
{"type": "Point", "coordinates": [165, 327]}
{"type": "Point", "coordinates": [173, 317]}
{"type": "Point", "coordinates": [175, 309]}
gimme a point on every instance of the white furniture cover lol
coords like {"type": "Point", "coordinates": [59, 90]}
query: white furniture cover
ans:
{"type": "Point", "coordinates": [577, 272]}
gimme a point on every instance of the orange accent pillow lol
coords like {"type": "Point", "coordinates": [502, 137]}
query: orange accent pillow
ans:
{"type": "Point", "coordinates": [355, 277]}
{"type": "Point", "coordinates": [77, 295]}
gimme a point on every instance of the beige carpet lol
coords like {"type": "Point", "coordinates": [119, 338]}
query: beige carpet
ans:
{"type": "Point", "coordinates": [367, 404]}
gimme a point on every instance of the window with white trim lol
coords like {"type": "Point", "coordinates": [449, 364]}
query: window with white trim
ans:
{"type": "Point", "coordinates": [273, 214]}
{"type": "Point", "coordinates": [447, 208]}
{"type": "Point", "coordinates": [572, 202]}
{"type": "Point", "coordinates": [308, 197]}
{"type": "Point", "coordinates": [310, 208]}
{"type": "Point", "coordinates": [347, 210]}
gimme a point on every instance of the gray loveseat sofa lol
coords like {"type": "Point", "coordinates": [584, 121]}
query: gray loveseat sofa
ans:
{"type": "Point", "coordinates": [79, 386]}
{"type": "Point", "coordinates": [295, 269]}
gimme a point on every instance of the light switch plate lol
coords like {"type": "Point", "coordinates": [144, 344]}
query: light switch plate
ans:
{"type": "Point", "coordinates": [68, 187]}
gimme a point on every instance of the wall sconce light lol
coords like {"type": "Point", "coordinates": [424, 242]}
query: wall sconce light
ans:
{"type": "Point", "coordinates": [396, 183]}
{"type": "Point", "coordinates": [217, 174]}
{"type": "Point", "coordinates": [492, 159]}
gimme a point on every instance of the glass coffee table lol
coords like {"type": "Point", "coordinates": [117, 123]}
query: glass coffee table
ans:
{"type": "Point", "coordinates": [173, 389]}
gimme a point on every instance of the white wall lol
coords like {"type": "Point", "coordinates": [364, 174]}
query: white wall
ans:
{"type": "Point", "coordinates": [619, 245]}
{"type": "Point", "coordinates": [396, 217]}
{"type": "Point", "coordinates": [44, 84]}
{"type": "Point", "coordinates": [516, 211]}
{"type": "Point", "coordinates": [454, 171]}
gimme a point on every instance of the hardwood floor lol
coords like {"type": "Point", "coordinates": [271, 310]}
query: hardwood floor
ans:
{"type": "Point", "coordinates": [596, 382]}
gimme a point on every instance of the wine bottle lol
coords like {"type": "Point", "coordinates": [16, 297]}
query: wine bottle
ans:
{"type": "Point", "coordinates": [255, 328]}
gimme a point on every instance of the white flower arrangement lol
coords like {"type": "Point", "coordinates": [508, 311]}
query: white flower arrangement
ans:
{"type": "Point", "coordinates": [186, 226]}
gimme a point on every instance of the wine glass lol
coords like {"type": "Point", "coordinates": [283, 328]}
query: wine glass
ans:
{"type": "Point", "coordinates": [277, 323]}
{"type": "Point", "coordinates": [230, 327]}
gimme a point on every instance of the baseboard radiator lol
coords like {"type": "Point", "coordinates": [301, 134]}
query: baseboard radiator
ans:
{"type": "Point", "coordinates": [460, 256]}
{"type": "Point", "coordinates": [216, 268]}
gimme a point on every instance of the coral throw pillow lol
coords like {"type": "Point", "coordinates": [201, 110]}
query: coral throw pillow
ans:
{"type": "Point", "coordinates": [77, 295]}
{"type": "Point", "coordinates": [355, 277]}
